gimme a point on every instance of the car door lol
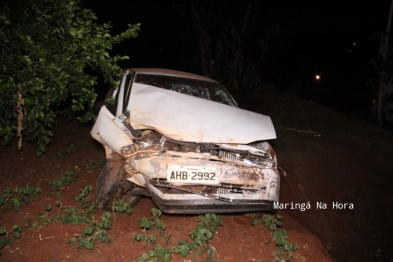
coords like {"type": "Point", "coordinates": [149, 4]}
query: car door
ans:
{"type": "Point", "coordinates": [110, 130]}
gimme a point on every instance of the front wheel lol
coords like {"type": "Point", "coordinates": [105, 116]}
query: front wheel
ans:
{"type": "Point", "coordinates": [113, 184]}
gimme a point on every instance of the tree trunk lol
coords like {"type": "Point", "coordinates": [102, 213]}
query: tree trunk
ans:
{"type": "Point", "coordinates": [381, 90]}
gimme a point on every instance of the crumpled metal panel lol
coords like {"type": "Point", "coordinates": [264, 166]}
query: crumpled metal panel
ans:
{"type": "Point", "coordinates": [156, 167]}
{"type": "Point", "coordinates": [110, 131]}
{"type": "Point", "coordinates": [187, 118]}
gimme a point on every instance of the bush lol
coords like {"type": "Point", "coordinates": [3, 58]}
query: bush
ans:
{"type": "Point", "coordinates": [47, 46]}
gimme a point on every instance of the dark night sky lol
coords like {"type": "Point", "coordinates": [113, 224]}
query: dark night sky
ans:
{"type": "Point", "coordinates": [325, 31]}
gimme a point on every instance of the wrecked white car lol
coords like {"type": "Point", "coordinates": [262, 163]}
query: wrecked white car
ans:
{"type": "Point", "coordinates": [180, 139]}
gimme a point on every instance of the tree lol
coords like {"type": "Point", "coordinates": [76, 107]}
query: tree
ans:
{"type": "Point", "coordinates": [384, 67]}
{"type": "Point", "coordinates": [46, 48]}
{"type": "Point", "coordinates": [232, 39]}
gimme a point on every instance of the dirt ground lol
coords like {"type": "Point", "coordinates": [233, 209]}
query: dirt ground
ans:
{"type": "Point", "coordinates": [328, 159]}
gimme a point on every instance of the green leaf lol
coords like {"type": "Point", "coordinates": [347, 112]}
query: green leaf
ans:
{"type": "Point", "coordinates": [90, 245]}
{"type": "Point", "coordinates": [184, 251]}
{"type": "Point", "coordinates": [3, 242]}
{"type": "Point", "coordinates": [145, 223]}
{"type": "Point", "coordinates": [2, 199]}
{"type": "Point", "coordinates": [152, 239]}
{"type": "Point", "coordinates": [88, 230]}
{"type": "Point", "coordinates": [211, 252]}
{"type": "Point", "coordinates": [161, 224]}
{"type": "Point", "coordinates": [17, 234]}
{"type": "Point", "coordinates": [137, 237]}
{"type": "Point", "coordinates": [54, 44]}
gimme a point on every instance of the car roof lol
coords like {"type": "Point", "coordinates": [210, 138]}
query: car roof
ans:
{"type": "Point", "coordinates": [170, 72]}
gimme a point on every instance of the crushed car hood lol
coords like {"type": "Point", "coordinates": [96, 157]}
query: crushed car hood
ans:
{"type": "Point", "coordinates": [187, 118]}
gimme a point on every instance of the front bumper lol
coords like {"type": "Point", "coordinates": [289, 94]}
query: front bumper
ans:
{"type": "Point", "coordinates": [185, 203]}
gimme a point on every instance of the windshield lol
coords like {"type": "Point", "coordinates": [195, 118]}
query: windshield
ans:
{"type": "Point", "coordinates": [203, 89]}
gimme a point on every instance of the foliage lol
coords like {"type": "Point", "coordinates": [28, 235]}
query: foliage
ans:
{"type": "Point", "coordinates": [43, 219]}
{"type": "Point", "coordinates": [204, 232]}
{"type": "Point", "coordinates": [64, 180]}
{"type": "Point", "coordinates": [384, 68]}
{"type": "Point", "coordinates": [66, 214]}
{"type": "Point", "coordinates": [147, 224]}
{"type": "Point", "coordinates": [154, 254]}
{"type": "Point", "coordinates": [145, 239]}
{"type": "Point", "coordinates": [184, 248]}
{"type": "Point", "coordinates": [15, 197]}
{"type": "Point", "coordinates": [155, 222]}
{"type": "Point", "coordinates": [201, 237]}
{"type": "Point", "coordinates": [96, 164]}
{"type": "Point", "coordinates": [232, 42]}
{"type": "Point", "coordinates": [280, 237]}
{"type": "Point", "coordinates": [96, 230]}
{"type": "Point", "coordinates": [75, 216]}
{"type": "Point", "coordinates": [121, 206]}
{"type": "Point", "coordinates": [72, 215]}
{"type": "Point", "coordinates": [69, 150]}
{"type": "Point", "coordinates": [17, 233]}
{"type": "Point", "coordinates": [47, 48]}
{"type": "Point", "coordinates": [84, 197]}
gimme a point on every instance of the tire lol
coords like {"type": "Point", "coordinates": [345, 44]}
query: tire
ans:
{"type": "Point", "coordinates": [113, 184]}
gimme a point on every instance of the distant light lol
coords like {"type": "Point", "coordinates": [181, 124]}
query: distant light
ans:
{"type": "Point", "coordinates": [349, 51]}
{"type": "Point", "coordinates": [354, 43]}
{"type": "Point", "coordinates": [317, 77]}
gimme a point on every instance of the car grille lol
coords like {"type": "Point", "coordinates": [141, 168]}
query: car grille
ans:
{"type": "Point", "coordinates": [228, 154]}
{"type": "Point", "coordinates": [222, 190]}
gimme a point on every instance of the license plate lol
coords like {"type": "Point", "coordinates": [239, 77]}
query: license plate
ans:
{"type": "Point", "coordinates": [192, 174]}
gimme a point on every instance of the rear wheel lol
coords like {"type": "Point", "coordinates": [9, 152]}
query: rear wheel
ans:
{"type": "Point", "coordinates": [113, 184]}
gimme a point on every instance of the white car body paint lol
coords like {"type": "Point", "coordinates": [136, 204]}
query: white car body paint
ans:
{"type": "Point", "coordinates": [246, 178]}
{"type": "Point", "coordinates": [187, 118]}
{"type": "Point", "coordinates": [111, 132]}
